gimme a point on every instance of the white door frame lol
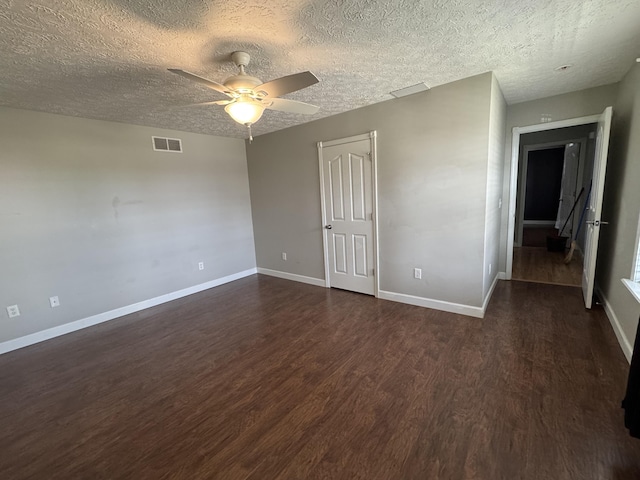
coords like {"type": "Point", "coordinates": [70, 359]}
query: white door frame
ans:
{"type": "Point", "coordinates": [372, 137]}
{"type": "Point", "coordinates": [513, 185]}
{"type": "Point", "coordinates": [523, 175]}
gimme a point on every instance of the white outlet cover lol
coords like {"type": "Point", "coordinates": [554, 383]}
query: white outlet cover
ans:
{"type": "Point", "coordinates": [417, 273]}
{"type": "Point", "coordinates": [201, 266]}
{"type": "Point", "coordinates": [54, 301]}
{"type": "Point", "coordinates": [284, 256]}
{"type": "Point", "coordinates": [13, 311]}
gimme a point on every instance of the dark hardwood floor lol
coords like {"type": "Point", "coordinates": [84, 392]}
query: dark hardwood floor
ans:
{"type": "Point", "coordinates": [269, 379]}
{"type": "Point", "coordinates": [536, 264]}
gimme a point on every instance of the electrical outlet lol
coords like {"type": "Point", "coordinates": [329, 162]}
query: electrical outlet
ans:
{"type": "Point", "coordinates": [201, 266]}
{"type": "Point", "coordinates": [417, 273]}
{"type": "Point", "coordinates": [13, 311]}
{"type": "Point", "coordinates": [284, 255]}
{"type": "Point", "coordinates": [54, 301]}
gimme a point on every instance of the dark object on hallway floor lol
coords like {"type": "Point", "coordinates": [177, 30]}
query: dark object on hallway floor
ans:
{"type": "Point", "coordinates": [537, 236]}
{"type": "Point", "coordinates": [556, 243]}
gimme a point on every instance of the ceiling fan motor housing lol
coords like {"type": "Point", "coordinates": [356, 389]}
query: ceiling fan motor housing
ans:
{"type": "Point", "coordinates": [242, 81]}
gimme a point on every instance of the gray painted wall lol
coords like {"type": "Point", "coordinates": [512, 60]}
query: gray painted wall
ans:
{"type": "Point", "coordinates": [432, 185]}
{"type": "Point", "coordinates": [591, 101]}
{"type": "Point", "coordinates": [497, 121]}
{"type": "Point", "coordinates": [622, 206]}
{"type": "Point", "coordinates": [89, 212]}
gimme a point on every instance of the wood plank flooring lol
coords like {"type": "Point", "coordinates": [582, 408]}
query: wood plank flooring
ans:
{"type": "Point", "coordinates": [265, 378]}
{"type": "Point", "coordinates": [535, 264]}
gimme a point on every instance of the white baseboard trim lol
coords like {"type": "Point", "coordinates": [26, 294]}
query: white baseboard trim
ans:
{"type": "Point", "coordinates": [430, 303]}
{"type": "Point", "coordinates": [625, 345]}
{"type": "Point", "coordinates": [318, 282]}
{"type": "Point", "coordinates": [53, 332]}
{"type": "Point", "coordinates": [485, 304]}
{"type": "Point", "coordinates": [502, 275]}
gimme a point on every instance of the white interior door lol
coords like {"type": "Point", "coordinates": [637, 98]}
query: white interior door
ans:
{"type": "Point", "coordinates": [594, 209]}
{"type": "Point", "coordinates": [347, 182]}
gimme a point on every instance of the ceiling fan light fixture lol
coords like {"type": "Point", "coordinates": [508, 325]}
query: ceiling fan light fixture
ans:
{"type": "Point", "coordinates": [245, 111]}
{"type": "Point", "coordinates": [248, 96]}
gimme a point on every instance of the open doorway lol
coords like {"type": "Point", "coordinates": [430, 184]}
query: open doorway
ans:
{"type": "Point", "coordinates": [555, 170]}
{"type": "Point", "coordinates": [590, 217]}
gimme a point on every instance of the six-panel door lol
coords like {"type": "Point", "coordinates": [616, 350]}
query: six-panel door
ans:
{"type": "Point", "coordinates": [348, 181]}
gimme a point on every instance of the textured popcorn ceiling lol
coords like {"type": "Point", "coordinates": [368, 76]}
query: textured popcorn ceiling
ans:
{"type": "Point", "coordinates": [107, 59]}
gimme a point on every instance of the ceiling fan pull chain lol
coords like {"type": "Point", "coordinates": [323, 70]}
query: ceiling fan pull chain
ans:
{"type": "Point", "coordinates": [250, 137]}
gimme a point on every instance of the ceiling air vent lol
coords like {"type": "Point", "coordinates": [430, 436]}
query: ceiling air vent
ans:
{"type": "Point", "coordinates": [163, 144]}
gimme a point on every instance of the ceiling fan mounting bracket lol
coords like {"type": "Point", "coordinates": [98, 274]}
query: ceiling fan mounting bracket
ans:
{"type": "Point", "coordinates": [241, 59]}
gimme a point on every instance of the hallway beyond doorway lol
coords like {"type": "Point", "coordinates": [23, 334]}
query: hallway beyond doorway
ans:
{"type": "Point", "coordinates": [536, 264]}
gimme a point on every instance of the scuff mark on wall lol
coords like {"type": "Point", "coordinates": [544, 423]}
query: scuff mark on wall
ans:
{"type": "Point", "coordinates": [115, 204]}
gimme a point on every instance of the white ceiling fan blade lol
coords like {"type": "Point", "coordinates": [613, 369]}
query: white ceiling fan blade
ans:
{"type": "Point", "coordinates": [290, 83]}
{"type": "Point", "coordinates": [217, 102]}
{"type": "Point", "coordinates": [291, 106]}
{"type": "Point", "coordinates": [209, 83]}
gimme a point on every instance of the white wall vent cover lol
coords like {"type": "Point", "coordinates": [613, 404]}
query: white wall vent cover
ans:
{"type": "Point", "coordinates": [163, 144]}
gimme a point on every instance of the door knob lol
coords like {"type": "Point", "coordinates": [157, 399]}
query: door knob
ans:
{"type": "Point", "coordinates": [328, 227]}
{"type": "Point", "coordinates": [596, 223]}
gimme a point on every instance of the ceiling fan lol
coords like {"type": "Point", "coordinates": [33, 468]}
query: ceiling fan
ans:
{"type": "Point", "coordinates": [248, 96]}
